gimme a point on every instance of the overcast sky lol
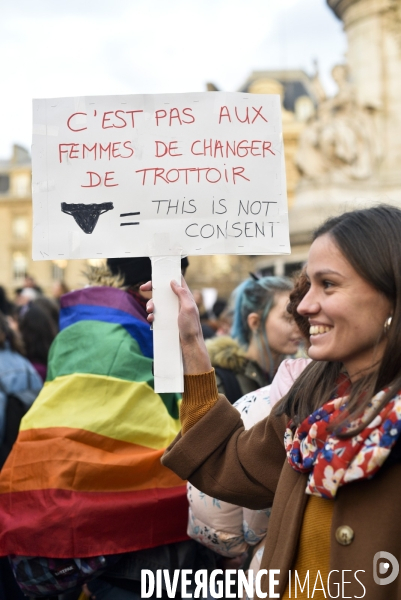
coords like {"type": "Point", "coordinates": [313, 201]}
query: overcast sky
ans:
{"type": "Point", "coordinates": [56, 48]}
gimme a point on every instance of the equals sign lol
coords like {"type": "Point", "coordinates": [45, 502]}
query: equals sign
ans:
{"type": "Point", "coordinates": [129, 215]}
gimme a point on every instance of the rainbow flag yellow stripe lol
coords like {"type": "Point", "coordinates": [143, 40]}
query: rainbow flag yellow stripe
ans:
{"type": "Point", "coordinates": [135, 414]}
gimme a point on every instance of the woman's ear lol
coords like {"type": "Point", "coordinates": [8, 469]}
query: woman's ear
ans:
{"type": "Point", "coordinates": [253, 321]}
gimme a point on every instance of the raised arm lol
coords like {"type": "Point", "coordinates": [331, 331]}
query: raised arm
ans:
{"type": "Point", "coordinates": [223, 460]}
{"type": "Point", "coordinates": [214, 452]}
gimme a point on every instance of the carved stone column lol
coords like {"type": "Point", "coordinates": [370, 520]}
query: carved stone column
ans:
{"type": "Point", "coordinates": [350, 155]}
{"type": "Point", "coordinates": [373, 29]}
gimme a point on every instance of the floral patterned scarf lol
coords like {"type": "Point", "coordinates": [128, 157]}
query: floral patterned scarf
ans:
{"type": "Point", "coordinates": [332, 461]}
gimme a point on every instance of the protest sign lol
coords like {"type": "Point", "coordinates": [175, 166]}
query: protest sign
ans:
{"type": "Point", "coordinates": [158, 175]}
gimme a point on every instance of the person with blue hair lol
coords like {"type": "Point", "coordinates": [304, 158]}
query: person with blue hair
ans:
{"type": "Point", "coordinates": [263, 333]}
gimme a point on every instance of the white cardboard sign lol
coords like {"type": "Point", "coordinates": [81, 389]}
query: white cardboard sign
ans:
{"type": "Point", "coordinates": [159, 175]}
{"type": "Point", "coordinates": [151, 175]}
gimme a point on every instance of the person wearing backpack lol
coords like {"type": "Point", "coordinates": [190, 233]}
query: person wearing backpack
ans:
{"type": "Point", "coordinates": [19, 386]}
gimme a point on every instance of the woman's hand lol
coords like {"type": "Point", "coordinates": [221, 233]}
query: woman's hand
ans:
{"type": "Point", "coordinates": [195, 356]}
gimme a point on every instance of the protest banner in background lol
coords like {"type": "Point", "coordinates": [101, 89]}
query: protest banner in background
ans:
{"type": "Point", "coordinates": [163, 176]}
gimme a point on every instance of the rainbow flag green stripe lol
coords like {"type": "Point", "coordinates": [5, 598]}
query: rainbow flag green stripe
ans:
{"type": "Point", "coordinates": [89, 448]}
{"type": "Point", "coordinates": [84, 346]}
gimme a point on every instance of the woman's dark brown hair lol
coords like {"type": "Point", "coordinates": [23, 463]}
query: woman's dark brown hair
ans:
{"type": "Point", "coordinates": [39, 327]}
{"type": "Point", "coordinates": [370, 239]}
{"type": "Point", "coordinates": [301, 287]}
{"type": "Point", "coordinates": [8, 337]}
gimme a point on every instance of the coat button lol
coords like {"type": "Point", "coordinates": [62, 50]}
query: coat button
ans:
{"type": "Point", "coordinates": [344, 535]}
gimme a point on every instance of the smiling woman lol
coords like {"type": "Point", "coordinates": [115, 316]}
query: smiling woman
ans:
{"type": "Point", "coordinates": [330, 452]}
{"type": "Point", "coordinates": [352, 308]}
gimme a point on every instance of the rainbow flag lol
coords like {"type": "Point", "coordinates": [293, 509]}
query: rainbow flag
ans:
{"type": "Point", "coordinates": [84, 477]}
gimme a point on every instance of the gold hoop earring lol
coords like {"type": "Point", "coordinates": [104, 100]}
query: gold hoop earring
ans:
{"type": "Point", "coordinates": [387, 324]}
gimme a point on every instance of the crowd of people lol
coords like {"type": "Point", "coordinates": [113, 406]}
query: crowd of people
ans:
{"type": "Point", "coordinates": [281, 456]}
{"type": "Point", "coordinates": [102, 331]}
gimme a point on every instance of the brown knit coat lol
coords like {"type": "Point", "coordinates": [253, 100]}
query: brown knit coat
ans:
{"type": "Point", "coordinates": [249, 468]}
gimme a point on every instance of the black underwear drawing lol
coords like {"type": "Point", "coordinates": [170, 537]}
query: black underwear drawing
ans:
{"type": "Point", "coordinates": [86, 215]}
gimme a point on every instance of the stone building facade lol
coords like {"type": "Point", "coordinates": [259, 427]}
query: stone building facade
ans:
{"type": "Point", "coordinates": [16, 232]}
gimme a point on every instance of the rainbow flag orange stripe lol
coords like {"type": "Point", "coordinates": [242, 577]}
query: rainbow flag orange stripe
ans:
{"type": "Point", "coordinates": [84, 477]}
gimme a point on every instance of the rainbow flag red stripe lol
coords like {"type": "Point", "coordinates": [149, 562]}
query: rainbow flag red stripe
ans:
{"type": "Point", "coordinates": [84, 477]}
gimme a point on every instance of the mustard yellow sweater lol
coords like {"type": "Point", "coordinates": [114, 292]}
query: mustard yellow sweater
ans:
{"type": "Point", "coordinates": [313, 552]}
{"type": "Point", "coordinates": [200, 394]}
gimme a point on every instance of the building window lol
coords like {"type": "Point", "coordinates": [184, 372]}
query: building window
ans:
{"type": "Point", "coordinates": [267, 271]}
{"type": "Point", "coordinates": [96, 262]}
{"type": "Point", "coordinates": [291, 269]}
{"type": "Point", "coordinates": [304, 108]}
{"type": "Point", "coordinates": [22, 185]}
{"type": "Point", "coordinates": [20, 228]}
{"type": "Point", "coordinates": [58, 270]}
{"type": "Point", "coordinates": [20, 264]}
{"type": "Point", "coordinates": [4, 184]}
